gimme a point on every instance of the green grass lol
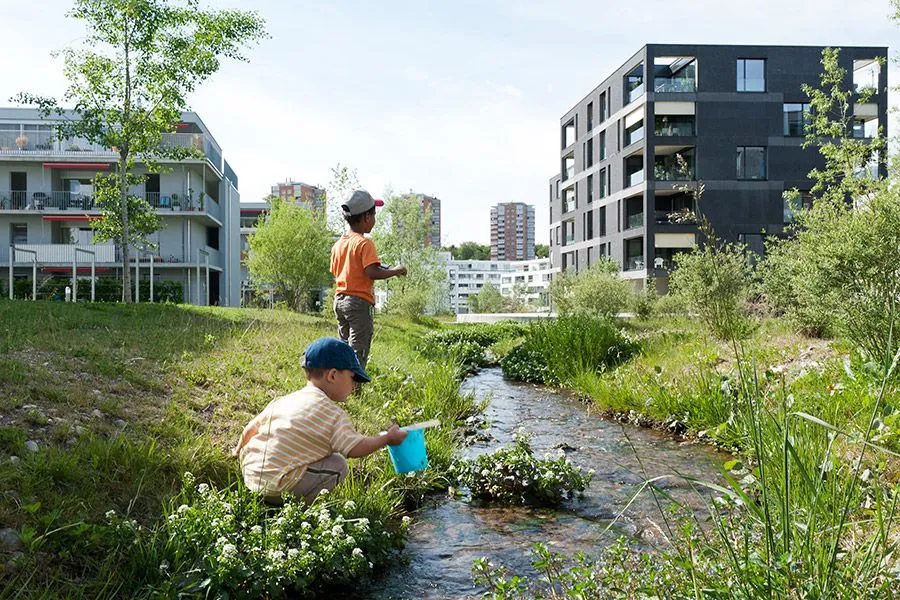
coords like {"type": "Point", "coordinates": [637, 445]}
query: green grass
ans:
{"type": "Point", "coordinates": [185, 380]}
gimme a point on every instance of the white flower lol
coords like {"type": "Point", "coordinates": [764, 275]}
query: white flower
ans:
{"type": "Point", "coordinates": [305, 525]}
{"type": "Point", "coordinates": [351, 540]}
{"type": "Point", "coordinates": [349, 505]}
{"type": "Point", "coordinates": [337, 530]}
{"type": "Point", "coordinates": [371, 565]}
{"type": "Point", "coordinates": [275, 555]}
{"type": "Point", "coordinates": [357, 552]}
{"type": "Point", "coordinates": [110, 515]}
{"type": "Point", "coordinates": [229, 550]}
{"type": "Point", "coordinates": [203, 488]}
{"type": "Point", "coordinates": [163, 568]}
{"type": "Point", "coordinates": [405, 520]}
{"type": "Point", "coordinates": [323, 492]}
{"type": "Point", "coordinates": [293, 552]}
{"type": "Point", "coordinates": [256, 529]}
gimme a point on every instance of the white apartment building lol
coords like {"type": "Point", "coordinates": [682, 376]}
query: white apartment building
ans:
{"type": "Point", "coordinates": [47, 206]}
{"type": "Point", "coordinates": [527, 279]}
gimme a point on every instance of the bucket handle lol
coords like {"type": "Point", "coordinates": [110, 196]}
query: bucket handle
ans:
{"type": "Point", "coordinates": [422, 425]}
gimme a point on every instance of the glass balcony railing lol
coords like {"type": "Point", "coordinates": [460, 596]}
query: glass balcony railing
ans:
{"type": "Point", "coordinates": [674, 84]}
{"type": "Point", "coordinates": [635, 92]}
{"type": "Point", "coordinates": [675, 129]}
{"type": "Point", "coordinates": [663, 173]}
{"type": "Point", "coordinates": [635, 220]}
{"type": "Point", "coordinates": [57, 200]}
{"type": "Point", "coordinates": [635, 178]}
{"type": "Point", "coordinates": [634, 263]}
{"type": "Point", "coordinates": [633, 136]}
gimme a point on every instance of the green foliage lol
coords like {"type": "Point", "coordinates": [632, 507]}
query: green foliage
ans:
{"type": "Point", "coordinates": [109, 289]}
{"type": "Point", "coordinates": [597, 292]}
{"type": "Point", "coordinates": [467, 344]}
{"type": "Point", "coordinates": [469, 251]}
{"type": "Point", "coordinates": [541, 251]}
{"type": "Point", "coordinates": [400, 236]}
{"type": "Point", "coordinates": [290, 251]}
{"type": "Point", "coordinates": [555, 351]}
{"type": "Point", "coordinates": [513, 475]}
{"type": "Point", "coordinates": [487, 300]}
{"type": "Point", "coordinates": [229, 542]}
{"type": "Point", "coordinates": [129, 84]}
{"type": "Point", "coordinates": [715, 282]}
{"type": "Point", "coordinates": [343, 181]}
{"type": "Point", "coordinates": [845, 175]}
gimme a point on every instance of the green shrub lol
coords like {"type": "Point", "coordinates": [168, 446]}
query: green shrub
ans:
{"type": "Point", "coordinates": [229, 542]}
{"type": "Point", "coordinates": [526, 363]}
{"type": "Point", "coordinates": [513, 475]}
{"type": "Point", "coordinates": [467, 344]}
{"type": "Point", "coordinates": [715, 282]}
{"type": "Point", "coordinates": [597, 292]}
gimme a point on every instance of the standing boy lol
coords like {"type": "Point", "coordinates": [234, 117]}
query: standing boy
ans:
{"type": "Point", "coordinates": [299, 442]}
{"type": "Point", "coordinates": [355, 266]}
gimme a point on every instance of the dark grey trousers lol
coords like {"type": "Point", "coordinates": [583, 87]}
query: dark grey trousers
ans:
{"type": "Point", "coordinates": [356, 324]}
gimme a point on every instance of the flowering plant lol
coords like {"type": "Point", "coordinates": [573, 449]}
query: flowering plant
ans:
{"type": "Point", "coordinates": [228, 541]}
{"type": "Point", "coordinates": [513, 475]}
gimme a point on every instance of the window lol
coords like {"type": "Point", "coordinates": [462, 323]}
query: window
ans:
{"type": "Point", "coordinates": [794, 203]}
{"type": "Point", "coordinates": [796, 118]}
{"type": "Point", "coordinates": [634, 84]}
{"type": "Point", "coordinates": [601, 139]}
{"type": "Point", "coordinates": [18, 233]}
{"type": "Point", "coordinates": [602, 176]}
{"type": "Point", "coordinates": [674, 125]}
{"type": "Point", "coordinates": [751, 162]}
{"type": "Point", "coordinates": [634, 133]}
{"type": "Point", "coordinates": [751, 75]}
{"type": "Point", "coordinates": [589, 153]}
{"type": "Point", "coordinates": [601, 224]}
{"type": "Point", "coordinates": [590, 189]}
{"type": "Point", "coordinates": [589, 221]}
{"type": "Point", "coordinates": [590, 116]}
{"type": "Point", "coordinates": [602, 105]}
{"type": "Point", "coordinates": [212, 237]}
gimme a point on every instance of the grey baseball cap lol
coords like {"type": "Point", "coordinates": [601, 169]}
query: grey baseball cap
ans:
{"type": "Point", "coordinates": [358, 202]}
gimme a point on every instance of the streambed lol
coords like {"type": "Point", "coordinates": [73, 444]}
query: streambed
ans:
{"type": "Point", "coordinates": [448, 536]}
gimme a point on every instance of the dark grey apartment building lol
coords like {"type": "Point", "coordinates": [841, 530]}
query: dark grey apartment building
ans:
{"type": "Point", "coordinates": [735, 116]}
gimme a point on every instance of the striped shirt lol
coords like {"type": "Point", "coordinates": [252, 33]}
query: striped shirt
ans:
{"type": "Point", "coordinates": [291, 433]}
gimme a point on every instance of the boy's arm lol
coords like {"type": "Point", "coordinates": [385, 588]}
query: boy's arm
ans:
{"type": "Point", "coordinates": [250, 430]}
{"type": "Point", "coordinates": [368, 445]}
{"type": "Point", "coordinates": [377, 271]}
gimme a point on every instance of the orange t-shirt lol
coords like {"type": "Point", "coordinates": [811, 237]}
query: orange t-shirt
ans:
{"type": "Point", "coordinates": [350, 256]}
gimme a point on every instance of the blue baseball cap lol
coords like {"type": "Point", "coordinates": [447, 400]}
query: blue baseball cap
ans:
{"type": "Point", "coordinates": [332, 353]}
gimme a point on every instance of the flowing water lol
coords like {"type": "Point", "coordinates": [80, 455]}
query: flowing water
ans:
{"type": "Point", "coordinates": [447, 536]}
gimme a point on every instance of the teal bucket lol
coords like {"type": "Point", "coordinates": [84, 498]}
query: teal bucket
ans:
{"type": "Point", "coordinates": [410, 454]}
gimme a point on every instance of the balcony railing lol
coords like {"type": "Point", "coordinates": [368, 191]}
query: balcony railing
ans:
{"type": "Point", "coordinates": [661, 173]}
{"type": "Point", "coordinates": [634, 263]}
{"type": "Point", "coordinates": [635, 93]}
{"type": "Point", "coordinates": [56, 200]}
{"type": "Point", "coordinates": [682, 216]}
{"type": "Point", "coordinates": [635, 178]}
{"type": "Point", "coordinates": [15, 142]}
{"type": "Point", "coordinates": [635, 220]}
{"type": "Point", "coordinates": [65, 253]}
{"type": "Point", "coordinates": [682, 129]}
{"type": "Point", "coordinates": [674, 84]}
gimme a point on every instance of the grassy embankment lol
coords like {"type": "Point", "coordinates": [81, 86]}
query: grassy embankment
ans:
{"type": "Point", "coordinates": [122, 400]}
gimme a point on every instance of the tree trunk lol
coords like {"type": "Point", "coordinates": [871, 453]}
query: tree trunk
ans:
{"type": "Point", "coordinates": [126, 251]}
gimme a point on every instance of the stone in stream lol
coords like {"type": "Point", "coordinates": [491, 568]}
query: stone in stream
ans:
{"type": "Point", "coordinates": [31, 446]}
{"type": "Point", "coordinates": [565, 447]}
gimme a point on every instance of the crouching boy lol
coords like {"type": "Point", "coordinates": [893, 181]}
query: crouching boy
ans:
{"type": "Point", "coordinates": [299, 442]}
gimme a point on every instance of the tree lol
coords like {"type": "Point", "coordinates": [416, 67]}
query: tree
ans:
{"type": "Point", "coordinates": [343, 181]}
{"type": "Point", "coordinates": [400, 235]}
{"type": "Point", "coordinates": [129, 84]}
{"type": "Point", "coordinates": [470, 251]}
{"type": "Point", "coordinates": [290, 250]}
{"type": "Point", "coordinates": [811, 276]}
{"type": "Point", "coordinates": [487, 300]}
{"type": "Point", "coordinates": [541, 251]}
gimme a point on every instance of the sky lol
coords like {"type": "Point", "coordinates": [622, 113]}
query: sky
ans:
{"type": "Point", "coordinates": [455, 99]}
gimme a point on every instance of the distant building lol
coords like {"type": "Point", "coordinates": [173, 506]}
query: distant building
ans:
{"type": "Point", "coordinates": [301, 193]}
{"type": "Point", "coordinates": [431, 209]}
{"type": "Point", "coordinates": [251, 213]}
{"type": "Point", "coordinates": [512, 231]}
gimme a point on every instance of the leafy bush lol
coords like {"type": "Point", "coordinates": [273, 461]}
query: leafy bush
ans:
{"type": "Point", "coordinates": [555, 351]}
{"type": "Point", "coordinates": [513, 475]}
{"type": "Point", "coordinates": [843, 271]}
{"type": "Point", "coordinates": [715, 282]}
{"type": "Point", "coordinates": [527, 363]}
{"type": "Point", "coordinates": [467, 344]}
{"type": "Point", "coordinates": [228, 542]}
{"type": "Point", "coordinates": [599, 291]}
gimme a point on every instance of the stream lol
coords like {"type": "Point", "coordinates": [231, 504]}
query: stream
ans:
{"type": "Point", "coordinates": [447, 536]}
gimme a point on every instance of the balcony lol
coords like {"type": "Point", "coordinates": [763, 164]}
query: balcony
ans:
{"type": "Point", "coordinates": [684, 216]}
{"type": "Point", "coordinates": [673, 74]}
{"type": "Point", "coordinates": [61, 201]}
{"type": "Point", "coordinates": [634, 263]}
{"type": "Point", "coordinates": [669, 173]}
{"type": "Point", "coordinates": [674, 126]}
{"type": "Point", "coordinates": [44, 144]}
{"type": "Point", "coordinates": [65, 253]}
{"type": "Point", "coordinates": [635, 178]}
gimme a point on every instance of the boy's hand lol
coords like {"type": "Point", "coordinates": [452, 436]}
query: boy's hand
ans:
{"type": "Point", "coordinates": [395, 435]}
{"type": "Point", "coordinates": [401, 270]}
